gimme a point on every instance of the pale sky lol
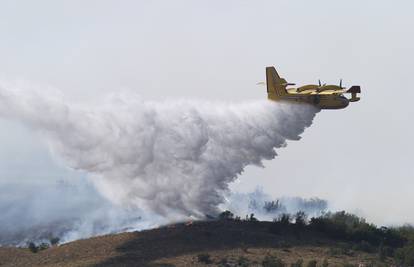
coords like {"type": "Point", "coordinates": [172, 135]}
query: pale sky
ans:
{"type": "Point", "coordinates": [358, 158]}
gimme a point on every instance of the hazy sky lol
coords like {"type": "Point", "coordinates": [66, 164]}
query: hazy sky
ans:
{"type": "Point", "coordinates": [358, 158]}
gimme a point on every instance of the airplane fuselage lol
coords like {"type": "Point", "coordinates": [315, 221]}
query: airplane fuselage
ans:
{"type": "Point", "coordinates": [322, 101]}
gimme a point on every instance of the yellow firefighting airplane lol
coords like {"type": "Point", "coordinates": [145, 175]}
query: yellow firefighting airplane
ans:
{"type": "Point", "coordinates": [323, 96]}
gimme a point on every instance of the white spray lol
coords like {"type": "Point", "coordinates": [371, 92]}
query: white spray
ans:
{"type": "Point", "coordinates": [172, 158]}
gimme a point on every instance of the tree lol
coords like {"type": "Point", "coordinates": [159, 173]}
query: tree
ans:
{"type": "Point", "coordinates": [300, 219]}
{"type": "Point", "coordinates": [226, 215]}
{"type": "Point", "coordinates": [284, 219]}
{"type": "Point", "coordinates": [272, 206]}
{"type": "Point", "coordinates": [252, 218]}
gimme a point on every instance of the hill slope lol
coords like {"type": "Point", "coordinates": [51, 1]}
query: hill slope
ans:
{"type": "Point", "coordinates": [214, 243]}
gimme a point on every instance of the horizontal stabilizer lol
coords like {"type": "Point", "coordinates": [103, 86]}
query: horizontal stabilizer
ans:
{"type": "Point", "coordinates": [354, 89]}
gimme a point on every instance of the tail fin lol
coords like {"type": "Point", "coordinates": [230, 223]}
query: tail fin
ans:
{"type": "Point", "coordinates": [276, 86]}
{"type": "Point", "coordinates": [354, 90]}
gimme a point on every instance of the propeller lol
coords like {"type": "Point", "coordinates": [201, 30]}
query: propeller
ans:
{"type": "Point", "coordinates": [319, 81]}
{"type": "Point", "coordinates": [340, 84]}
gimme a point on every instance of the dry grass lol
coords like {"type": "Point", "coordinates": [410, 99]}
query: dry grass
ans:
{"type": "Point", "coordinates": [255, 257]}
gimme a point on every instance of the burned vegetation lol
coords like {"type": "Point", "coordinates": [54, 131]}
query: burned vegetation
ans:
{"type": "Point", "coordinates": [295, 240]}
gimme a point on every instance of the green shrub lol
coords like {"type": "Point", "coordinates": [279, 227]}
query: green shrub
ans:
{"type": "Point", "coordinates": [272, 261]}
{"type": "Point", "coordinates": [54, 241]}
{"type": "Point", "coordinates": [298, 263]}
{"type": "Point", "coordinates": [281, 225]}
{"type": "Point", "coordinates": [349, 227]}
{"type": "Point", "coordinates": [336, 251]}
{"type": "Point", "coordinates": [405, 256]}
{"type": "Point", "coordinates": [364, 246]}
{"type": "Point", "coordinates": [43, 246]}
{"type": "Point", "coordinates": [312, 263]}
{"type": "Point", "coordinates": [386, 251]}
{"type": "Point", "coordinates": [406, 231]}
{"type": "Point", "coordinates": [224, 263]}
{"type": "Point", "coordinates": [242, 262]}
{"type": "Point", "coordinates": [204, 258]}
{"type": "Point", "coordinates": [285, 244]}
{"type": "Point", "coordinates": [382, 253]}
{"type": "Point", "coordinates": [32, 247]}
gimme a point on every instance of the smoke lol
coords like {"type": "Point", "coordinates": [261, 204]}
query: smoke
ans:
{"type": "Point", "coordinates": [267, 208]}
{"type": "Point", "coordinates": [175, 159]}
{"type": "Point", "coordinates": [69, 211]}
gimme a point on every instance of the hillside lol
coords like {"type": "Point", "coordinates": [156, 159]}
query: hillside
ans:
{"type": "Point", "coordinates": [212, 243]}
